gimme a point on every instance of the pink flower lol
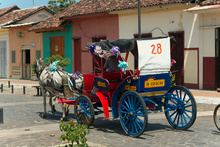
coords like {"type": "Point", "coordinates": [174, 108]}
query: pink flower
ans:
{"type": "Point", "coordinates": [173, 62]}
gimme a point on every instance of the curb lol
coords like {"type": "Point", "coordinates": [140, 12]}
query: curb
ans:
{"type": "Point", "coordinates": [207, 100]}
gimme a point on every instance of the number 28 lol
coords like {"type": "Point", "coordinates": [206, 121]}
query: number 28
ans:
{"type": "Point", "coordinates": [156, 49]}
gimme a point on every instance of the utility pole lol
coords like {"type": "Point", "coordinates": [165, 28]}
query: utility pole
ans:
{"type": "Point", "coordinates": [33, 3]}
{"type": "Point", "coordinates": [139, 19]}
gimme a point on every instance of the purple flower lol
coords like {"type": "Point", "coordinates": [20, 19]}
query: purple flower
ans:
{"type": "Point", "coordinates": [115, 51]}
{"type": "Point", "coordinates": [92, 49]}
{"type": "Point", "coordinates": [77, 72]}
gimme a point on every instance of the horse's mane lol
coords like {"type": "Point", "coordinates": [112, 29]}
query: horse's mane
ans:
{"type": "Point", "coordinates": [41, 63]}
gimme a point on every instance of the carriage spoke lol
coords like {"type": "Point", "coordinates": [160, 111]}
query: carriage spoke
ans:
{"type": "Point", "coordinates": [124, 112]}
{"type": "Point", "coordinates": [126, 104]}
{"type": "Point", "coordinates": [127, 121]}
{"type": "Point", "coordinates": [175, 118]}
{"type": "Point", "coordinates": [187, 100]}
{"type": "Point", "coordinates": [125, 107]}
{"type": "Point", "coordinates": [129, 102]}
{"type": "Point", "coordinates": [178, 120]}
{"type": "Point", "coordinates": [137, 105]}
{"type": "Point", "coordinates": [187, 106]}
{"type": "Point", "coordinates": [177, 93]}
{"type": "Point", "coordinates": [181, 94]}
{"type": "Point", "coordinates": [173, 101]}
{"type": "Point", "coordinates": [126, 116]}
{"type": "Point", "coordinates": [138, 124]}
{"type": "Point", "coordinates": [182, 119]}
{"type": "Point", "coordinates": [185, 119]}
{"type": "Point", "coordinates": [135, 126]}
{"type": "Point", "coordinates": [184, 97]}
{"type": "Point", "coordinates": [187, 115]}
{"type": "Point", "coordinates": [140, 120]}
{"type": "Point", "coordinates": [140, 114]}
{"type": "Point", "coordinates": [173, 113]}
{"type": "Point", "coordinates": [129, 126]}
{"type": "Point", "coordinates": [188, 110]}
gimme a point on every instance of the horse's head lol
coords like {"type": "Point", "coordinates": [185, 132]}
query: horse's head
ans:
{"type": "Point", "coordinates": [39, 66]}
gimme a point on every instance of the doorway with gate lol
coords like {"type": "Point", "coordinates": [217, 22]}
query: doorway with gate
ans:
{"type": "Point", "coordinates": [177, 48]}
{"type": "Point", "coordinates": [3, 59]}
{"type": "Point", "coordinates": [26, 67]}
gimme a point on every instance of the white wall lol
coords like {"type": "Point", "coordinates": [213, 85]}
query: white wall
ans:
{"type": "Point", "coordinates": [36, 17]}
{"type": "Point", "coordinates": [168, 20]}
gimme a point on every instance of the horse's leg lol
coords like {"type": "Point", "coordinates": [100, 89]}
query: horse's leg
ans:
{"type": "Point", "coordinates": [44, 102]}
{"type": "Point", "coordinates": [64, 111]}
{"type": "Point", "coordinates": [52, 105]}
{"type": "Point", "coordinates": [67, 109]}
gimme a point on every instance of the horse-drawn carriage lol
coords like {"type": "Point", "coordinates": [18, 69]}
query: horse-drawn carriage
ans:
{"type": "Point", "coordinates": [132, 95]}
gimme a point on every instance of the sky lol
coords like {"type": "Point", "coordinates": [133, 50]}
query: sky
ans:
{"type": "Point", "coordinates": [22, 4]}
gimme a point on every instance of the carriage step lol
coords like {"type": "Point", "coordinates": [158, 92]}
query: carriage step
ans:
{"type": "Point", "coordinates": [156, 111]}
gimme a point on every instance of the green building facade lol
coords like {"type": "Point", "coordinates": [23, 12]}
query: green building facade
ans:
{"type": "Point", "coordinates": [67, 33]}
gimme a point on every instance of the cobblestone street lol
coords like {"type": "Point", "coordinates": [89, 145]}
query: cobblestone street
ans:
{"type": "Point", "coordinates": [24, 126]}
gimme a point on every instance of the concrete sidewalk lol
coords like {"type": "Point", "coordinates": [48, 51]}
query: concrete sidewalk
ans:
{"type": "Point", "coordinates": [19, 82]}
{"type": "Point", "coordinates": [201, 96]}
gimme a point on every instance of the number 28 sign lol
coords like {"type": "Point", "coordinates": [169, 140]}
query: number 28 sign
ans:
{"type": "Point", "coordinates": [156, 49]}
{"type": "Point", "coordinates": [154, 53]}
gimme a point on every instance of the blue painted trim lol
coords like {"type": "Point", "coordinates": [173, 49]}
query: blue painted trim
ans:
{"type": "Point", "coordinates": [115, 97]}
{"type": "Point", "coordinates": [73, 98]}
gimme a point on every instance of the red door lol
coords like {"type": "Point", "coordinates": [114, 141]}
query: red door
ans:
{"type": "Point", "coordinates": [77, 53]}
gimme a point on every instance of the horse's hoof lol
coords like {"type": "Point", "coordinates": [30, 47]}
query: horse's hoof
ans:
{"type": "Point", "coordinates": [67, 112]}
{"type": "Point", "coordinates": [62, 119]}
{"type": "Point", "coordinates": [43, 115]}
{"type": "Point", "coordinates": [54, 111]}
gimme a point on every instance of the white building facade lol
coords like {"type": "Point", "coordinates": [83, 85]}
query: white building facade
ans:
{"type": "Point", "coordinates": [195, 32]}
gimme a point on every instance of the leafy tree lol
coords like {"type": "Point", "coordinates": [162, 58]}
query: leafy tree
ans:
{"type": "Point", "coordinates": [57, 5]}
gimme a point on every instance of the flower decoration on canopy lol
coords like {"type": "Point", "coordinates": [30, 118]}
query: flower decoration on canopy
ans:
{"type": "Point", "coordinates": [75, 75]}
{"type": "Point", "coordinates": [92, 49]}
{"type": "Point", "coordinates": [173, 62]}
{"type": "Point", "coordinates": [115, 50]}
{"type": "Point", "coordinates": [100, 52]}
{"type": "Point", "coordinates": [123, 65]}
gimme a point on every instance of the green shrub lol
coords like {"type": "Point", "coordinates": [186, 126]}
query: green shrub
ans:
{"type": "Point", "coordinates": [63, 62]}
{"type": "Point", "coordinates": [74, 132]}
{"type": "Point", "coordinates": [32, 65]}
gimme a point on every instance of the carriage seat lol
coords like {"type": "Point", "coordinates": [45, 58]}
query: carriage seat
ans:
{"type": "Point", "coordinates": [116, 76]}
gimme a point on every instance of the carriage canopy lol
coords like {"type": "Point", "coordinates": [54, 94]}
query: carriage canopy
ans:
{"type": "Point", "coordinates": [123, 44]}
{"type": "Point", "coordinates": [153, 53]}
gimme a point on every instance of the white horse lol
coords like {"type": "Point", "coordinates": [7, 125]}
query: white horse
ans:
{"type": "Point", "coordinates": [57, 82]}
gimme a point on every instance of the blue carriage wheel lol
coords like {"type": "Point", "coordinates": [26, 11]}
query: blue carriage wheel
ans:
{"type": "Point", "coordinates": [133, 113]}
{"type": "Point", "coordinates": [180, 108]}
{"type": "Point", "coordinates": [216, 116]}
{"type": "Point", "coordinates": [84, 110]}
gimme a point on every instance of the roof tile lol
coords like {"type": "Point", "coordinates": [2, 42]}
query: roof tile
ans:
{"type": "Point", "coordinates": [8, 9]}
{"type": "Point", "coordinates": [210, 2]}
{"type": "Point", "coordinates": [84, 7]}
{"type": "Point", "coordinates": [18, 15]}
{"type": "Point", "coordinates": [96, 6]}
